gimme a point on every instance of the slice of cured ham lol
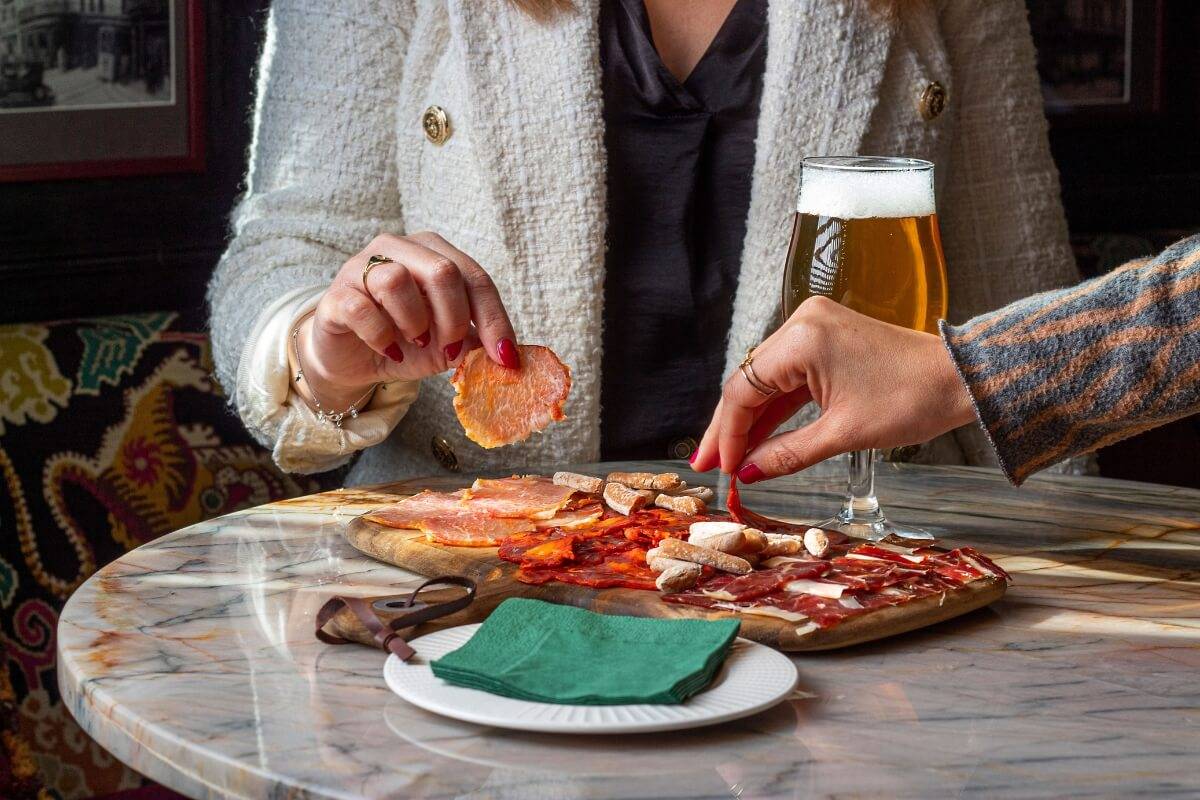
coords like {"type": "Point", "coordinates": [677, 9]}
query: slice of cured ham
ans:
{"type": "Point", "coordinates": [527, 498]}
{"type": "Point", "coordinates": [443, 518]}
{"type": "Point", "coordinates": [498, 406]}
{"type": "Point", "coordinates": [764, 581]}
{"type": "Point", "coordinates": [571, 518]}
{"type": "Point", "coordinates": [753, 519]}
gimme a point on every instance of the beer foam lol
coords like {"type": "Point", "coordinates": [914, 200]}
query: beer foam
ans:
{"type": "Point", "coordinates": [862, 194]}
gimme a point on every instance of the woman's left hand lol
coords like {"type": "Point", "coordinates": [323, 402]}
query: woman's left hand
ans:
{"type": "Point", "coordinates": [878, 386]}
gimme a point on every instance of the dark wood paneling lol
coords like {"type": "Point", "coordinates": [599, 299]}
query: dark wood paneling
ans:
{"type": "Point", "coordinates": [87, 247]}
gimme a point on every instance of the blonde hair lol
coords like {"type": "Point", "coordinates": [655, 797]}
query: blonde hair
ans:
{"type": "Point", "coordinates": [542, 10]}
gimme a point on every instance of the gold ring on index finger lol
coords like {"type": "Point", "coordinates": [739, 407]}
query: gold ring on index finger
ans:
{"type": "Point", "coordinates": [372, 263]}
{"type": "Point", "coordinates": [758, 385]}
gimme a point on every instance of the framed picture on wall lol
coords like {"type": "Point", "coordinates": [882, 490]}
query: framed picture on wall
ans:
{"type": "Point", "coordinates": [92, 88]}
{"type": "Point", "coordinates": [1099, 58]}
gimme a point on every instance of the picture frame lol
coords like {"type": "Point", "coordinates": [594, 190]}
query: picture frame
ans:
{"type": "Point", "coordinates": [1099, 59]}
{"type": "Point", "coordinates": [100, 88]}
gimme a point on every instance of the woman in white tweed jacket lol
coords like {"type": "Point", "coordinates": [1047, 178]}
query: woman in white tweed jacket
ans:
{"type": "Point", "coordinates": [340, 155]}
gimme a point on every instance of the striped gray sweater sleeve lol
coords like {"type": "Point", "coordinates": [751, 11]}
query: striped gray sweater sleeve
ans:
{"type": "Point", "coordinates": [1072, 370]}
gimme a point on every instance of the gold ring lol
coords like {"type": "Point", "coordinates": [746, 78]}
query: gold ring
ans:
{"type": "Point", "coordinates": [756, 383]}
{"type": "Point", "coordinates": [372, 263]}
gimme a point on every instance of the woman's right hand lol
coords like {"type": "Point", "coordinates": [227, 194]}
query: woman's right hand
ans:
{"type": "Point", "coordinates": [414, 317]}
{"type": "Point", "coordinates": [877, 385]}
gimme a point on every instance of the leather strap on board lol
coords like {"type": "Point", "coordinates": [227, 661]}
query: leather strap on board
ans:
{"type": "Point", "coordinates": [387, 634]}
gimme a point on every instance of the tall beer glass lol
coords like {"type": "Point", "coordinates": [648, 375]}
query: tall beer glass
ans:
{"type": "Point", "coordinates": [865, 234]}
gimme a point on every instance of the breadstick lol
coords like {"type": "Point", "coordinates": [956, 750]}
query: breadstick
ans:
{"type": "Point", "coordinates": [675, 548]}
{"type": "Point", "coordinates": [662, 563]}
{"type": "Point", "coordinates": [662, 482]}
{"type": "Point", "coordinates": [756, 540]}
{"type": "Point", "coordinates": [678, 578]}
{"type": "Point", "coordinates": [701, 492]}
{"type": "Point", "coordinates": [681, 503]}
{"type": "Point", "coordinates": [622, 499]}
{"type": "Point", "coordinates": [712, 527]}
{"type": "Point", "coordinates": [816, 542]}
{"type": "Point", "coordinates": [781, 547]}
{"type": "Point", "coordinates": [731, 542]}
{"type": "Point", "coordinates": [580, 483]}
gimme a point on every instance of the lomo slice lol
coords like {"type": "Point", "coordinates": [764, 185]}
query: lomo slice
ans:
{"type": "Point", "coordinates": [444, 519]}
{"type": "Point", "coordinates": [499, 406]}
{"type": "Point", "coordinates": [530, 497]}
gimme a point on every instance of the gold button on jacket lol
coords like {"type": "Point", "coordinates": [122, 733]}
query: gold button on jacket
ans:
{"type": "Point", "coordinates": [444, 453]}
{"type": "Point", "coordinates": [933, 101]}
{"type": "Point", "coordinates": [436, 124]}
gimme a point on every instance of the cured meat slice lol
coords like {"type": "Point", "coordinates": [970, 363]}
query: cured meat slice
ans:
{"type": "Point", "coordinates": [550, 553]}
{"type": "Point", "coordinates": [443, 518]}
{"type": "Point", "coordinates": [624, 569]}
{"type": "Point", "coordinates": [753, 519]}
{"type": "Point", "coordinates": [650, 526]}
{"type": "Point", "coordinates": [570, 518]}
{"type": "Point", "coordinates": [765, 581]}
{"type": "Point", "coordinates": [970, 554]}
{"type": "Point", "coordinates": [530, 497]}
{"type": "Point", "coordinates": [413, 508]}
{"type": "Point", "coordinates": [498, 406]}
{"type": "Point", "coordinates": [471, 530]}
{"type": "Point", "coordinates": [885, 554]}
{"type": "Point", "coordinates": [824, 611]}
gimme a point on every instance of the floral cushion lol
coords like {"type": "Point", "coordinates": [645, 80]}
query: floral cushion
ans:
{"type": "Point", "coordinates": [112, 432]}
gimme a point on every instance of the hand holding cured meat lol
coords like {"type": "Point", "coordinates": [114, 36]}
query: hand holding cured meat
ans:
{"type": "Point", "coordinates": [877, 385]}
{"type": "Point", "coordinates": [499, 406]}
{"type": "Point", "coordinates": [409, 318]}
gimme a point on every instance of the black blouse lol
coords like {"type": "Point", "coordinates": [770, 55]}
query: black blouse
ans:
{"type": "Point", "coordinates": [680, 158]}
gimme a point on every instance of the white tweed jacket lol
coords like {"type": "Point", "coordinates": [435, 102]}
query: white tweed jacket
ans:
{"type": "Point", "coordinates": [339, 155]}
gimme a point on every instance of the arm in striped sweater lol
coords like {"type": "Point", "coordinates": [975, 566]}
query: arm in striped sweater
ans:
{"type": "Point", "coordinates": [1069, 371]}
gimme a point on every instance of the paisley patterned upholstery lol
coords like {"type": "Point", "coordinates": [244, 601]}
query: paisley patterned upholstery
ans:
{"type": "Point", "coordinates": [112, 432]}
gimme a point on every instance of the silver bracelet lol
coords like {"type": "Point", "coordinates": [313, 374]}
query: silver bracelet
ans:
{"type": "Point", "coordinates": [334, 417]}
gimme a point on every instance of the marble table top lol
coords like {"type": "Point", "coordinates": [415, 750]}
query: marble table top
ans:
{"type": "Point", "coordinates": [192, 659]}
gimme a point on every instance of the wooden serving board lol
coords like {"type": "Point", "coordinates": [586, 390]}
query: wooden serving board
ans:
{"type": "Point", "coordinates": [496, 579]}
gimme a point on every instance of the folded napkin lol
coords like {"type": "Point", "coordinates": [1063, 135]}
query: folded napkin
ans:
{"type": "Point", "coordinates": [547, 653]}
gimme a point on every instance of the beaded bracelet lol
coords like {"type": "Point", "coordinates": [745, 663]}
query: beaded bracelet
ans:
{"type": "Point", "coordinates": [333, 417]}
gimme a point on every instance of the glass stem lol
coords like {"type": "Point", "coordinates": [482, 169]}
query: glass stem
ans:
{"type": "Point", "coordinates": [861, 506]}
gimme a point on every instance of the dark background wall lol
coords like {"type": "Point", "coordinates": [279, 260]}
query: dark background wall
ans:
{"type": "Point", "coordinates": [1130, 187]}
{"type": "Point", "coordinates": [91, 247]}
{"type": "Point", "coordinates": [103, 246]}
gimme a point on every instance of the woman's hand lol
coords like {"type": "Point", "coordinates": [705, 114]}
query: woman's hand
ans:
{"type": "Point", "coordinates": [414, 317]}
{"type": "Point", "coordinates": [878, 386]}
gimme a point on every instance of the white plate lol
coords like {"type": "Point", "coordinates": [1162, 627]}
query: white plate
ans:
{"type": "Point", "coordinates": [754, 678]}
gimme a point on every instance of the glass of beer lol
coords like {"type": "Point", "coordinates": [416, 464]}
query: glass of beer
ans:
{"type": "Point", "coordinates": [866, 235]}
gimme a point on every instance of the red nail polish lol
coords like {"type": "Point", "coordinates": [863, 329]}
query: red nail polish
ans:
{"type": "Point", "coordinates": [692, 457]}
{"type": "Point", "coordinates": [509, 356]}
{"type": "Point", "coordinates": [749, 473]}
{"type": "Point", "coordinates": [423, 339]}
{"type": "Point", "coordinates": [452, 350]}
{"type": "Point", "coordinates": [394, 353]}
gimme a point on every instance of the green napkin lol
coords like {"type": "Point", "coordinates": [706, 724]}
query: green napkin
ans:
{"type": "Point", "coordinates": [547, 653]}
